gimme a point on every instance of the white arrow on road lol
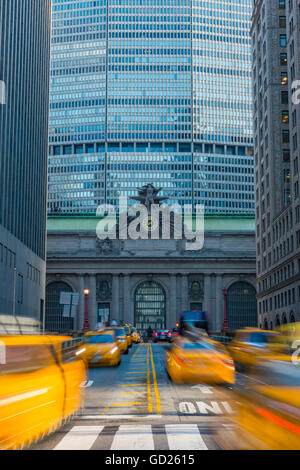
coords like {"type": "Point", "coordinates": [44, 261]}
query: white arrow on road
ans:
{"type": "Point", "coordinates": [203, 389]}
{"type": "Point", "coordinates": [86, 383]}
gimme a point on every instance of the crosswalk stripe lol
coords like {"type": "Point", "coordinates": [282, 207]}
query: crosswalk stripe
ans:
{"type": "Point", "coordinates": [184, 437]}
{"type": "Point", "coordinates": [79, 438]}
{"type": "Point", "coordinates": [138, 437]}
{"type": "Point", "coordinates": [134, 437]}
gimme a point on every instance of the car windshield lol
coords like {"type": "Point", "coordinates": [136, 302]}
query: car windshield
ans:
{"type": "Point", "coordinates": [98, 339]}
{"type": "Point", "coordinates": [133, 330]}
{"type": "Point", "coordinates": [119, 331]}
{"type": "Point", "coordinates": [198, 345]}
{"type": "Point", "coordinates": [127, 330]}
{"type": "Point", "coordinates": [261, 338]}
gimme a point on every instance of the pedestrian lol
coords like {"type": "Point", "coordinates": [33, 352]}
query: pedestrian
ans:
{"type": "Point", "coordinates": [149, 332]}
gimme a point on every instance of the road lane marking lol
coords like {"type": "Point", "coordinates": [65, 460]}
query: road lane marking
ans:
{"type": "Point", "coordinates": [130, 385]}
{"type": "Point", "coordinates": [211, 408]}
{"type": "Point", "coordinates": [135, 363]}
{"type": "Point", "coordinates": [135, 372]}
{"type": "Point", "coordinates": [203, 389]}
{"type": "Point", "coordinates": [86, 383]}
{"type": "Point", "coordinates": [127, 404]}
{"type": "Point", "coordinates": [79, 438]}
{"type": "Point", "coordinates": [158, 408]}
{"type": "Point", "coordinates": [136, 378]}
{"type": "Point", "coordinates": [138, 437]}
{"type": "Point", "coordinates": [150, 408]}
{"type": "Point", "coordinates": [118, 417]}
{"type": "Point", "coordinates": [184, 437]}
{"type": "Point", "coordinates": [187, 407]}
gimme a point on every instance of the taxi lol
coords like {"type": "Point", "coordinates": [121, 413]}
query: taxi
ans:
{"type": "Point", "coordinates": [268, 414]}
{"type": "Point", "coordinates": [121, 337]}
{"type": "Point", "coordinates": [135, 336]}
{"type": "Point", "coordinates": [252, 345]}
{"type": "Point", "coordinates": [199, 361]}
{"type": "Point", "coordinates": [127, 329]}
{"type": "Point", "coordinates": [101, 349]}
{"type": "Point", "coordinates": [40, 386]}
{"type": "Point", "coordinates": [290, 336]}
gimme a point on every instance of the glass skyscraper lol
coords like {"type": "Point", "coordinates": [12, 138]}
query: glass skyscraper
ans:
{"type": "Point", "coordinates": [24, 110]}
{"type": "Point", "coordinates": [151, 91]}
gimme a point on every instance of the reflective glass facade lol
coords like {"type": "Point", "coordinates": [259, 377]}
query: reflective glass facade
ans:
{"type": "Point", "coordinates": [151, 91]}
{"type": "Point", "coordinates": [24, 69]}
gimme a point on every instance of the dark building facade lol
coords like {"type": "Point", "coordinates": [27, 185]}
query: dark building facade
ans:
{"type": "Point", "coordinates": [275, 41]}
{"type": "Point", "coordinates": [24, 107]}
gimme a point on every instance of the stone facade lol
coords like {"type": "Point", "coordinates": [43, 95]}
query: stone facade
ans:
{"type": "Point", "coordinates": [275, 42]}
{"type": "Point", "coordinates": [113, 270]}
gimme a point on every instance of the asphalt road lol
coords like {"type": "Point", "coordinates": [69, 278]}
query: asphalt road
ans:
{"type": "Point", "coordinates": [136, 406]}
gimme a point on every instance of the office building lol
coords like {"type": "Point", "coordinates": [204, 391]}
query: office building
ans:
{"type": "Point", "coordinates": [24, 108]}
{"type": "Point", "coordinates": [151, 92]}
{"type": "Point", "coordinates": [275, 41]}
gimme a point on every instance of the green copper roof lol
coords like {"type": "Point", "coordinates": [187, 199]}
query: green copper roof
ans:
{"type": "Point", "coordinates": [76, 223]}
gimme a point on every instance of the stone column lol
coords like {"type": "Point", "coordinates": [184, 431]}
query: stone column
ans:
{"type": "Point", "coordinates": [115, 309]}
{"type": "Point", "coordinates": [219, 304]}
{"type": "Point", "coordinates": [127, 314]}
{"type": "Point", "coordinates": [207, 301]}
{"type": "Point", "coordinates": [93, 310]}
{"type": "Point", "coordinates": [172, 313]}
{"type": "Point", "coordinates": [80, 311]}
{"type": "Point", "coordinates": [184, 292]}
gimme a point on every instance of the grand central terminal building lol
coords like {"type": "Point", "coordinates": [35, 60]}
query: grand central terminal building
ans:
{"type": "Point", "coordinates": [149, 282]}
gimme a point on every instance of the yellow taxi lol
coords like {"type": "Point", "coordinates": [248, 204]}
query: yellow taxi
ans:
{"type": "Point", "coordinates": [252, 345]}
{"type": "Point", "coordinates": [127, 329]}
{"type": "Point", "coordinates": [134, 335]}
{"type": "Point", "coordinates": [199, 360]}
{"type": "Point", "coordinates": [268, 413]}
{"type": "Point", "coordinates": [290, 336]}
{"type": "Point", "coordinates": [101, 349]}
{"type": "Point", "coordinates": [40, 378]}
{"type": "Point", "coordinates": [121, 338]}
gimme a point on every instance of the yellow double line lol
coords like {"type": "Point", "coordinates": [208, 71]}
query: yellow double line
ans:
{"type": "Point", "coordinates": [138, 371]}
{"type": "Point", "coordinates": [156, 392]}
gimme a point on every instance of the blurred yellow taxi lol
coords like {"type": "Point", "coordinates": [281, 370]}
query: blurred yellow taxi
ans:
{"type": "Point", "coordinates": [127, 329]}
{"type": "Point", "coordinates": [252, 345]}
{"type": "Point", "coordinates": [40, 378]}
{"type": "Point", "coordinates": [200, 360]}
{"type": "Point", "coordinates": [268, 414]}
{"type": "Point", "coordinates": [290, 336]}
{"type": "Point", "coordinates": [134, 335]}
{"type": "Point", "coordinates": [121, 338]}
{"type": "Point", "coordinates": [101, 349]}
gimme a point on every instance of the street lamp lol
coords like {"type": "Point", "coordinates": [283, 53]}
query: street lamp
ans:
{"type": "Point", "coordinates": [86, 325]}
{"type": "Point", "coordinates": [225, 322]}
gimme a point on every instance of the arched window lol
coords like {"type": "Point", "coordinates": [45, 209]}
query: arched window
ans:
{"type": "Point", "coordinates": [266, 326]}
{"type": "Point", "coordinates": [54, 319]}
{"type": "Point", "coordinates": [284, 319]}
{"type": "Point", "coordinates": [292, 318]}
{"type": "Point", "coordinates": [150, 306]}
{"type": "Point", "coordinates": [241, 306]}
{"type": "Point", "coordinates": [277, 320]}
